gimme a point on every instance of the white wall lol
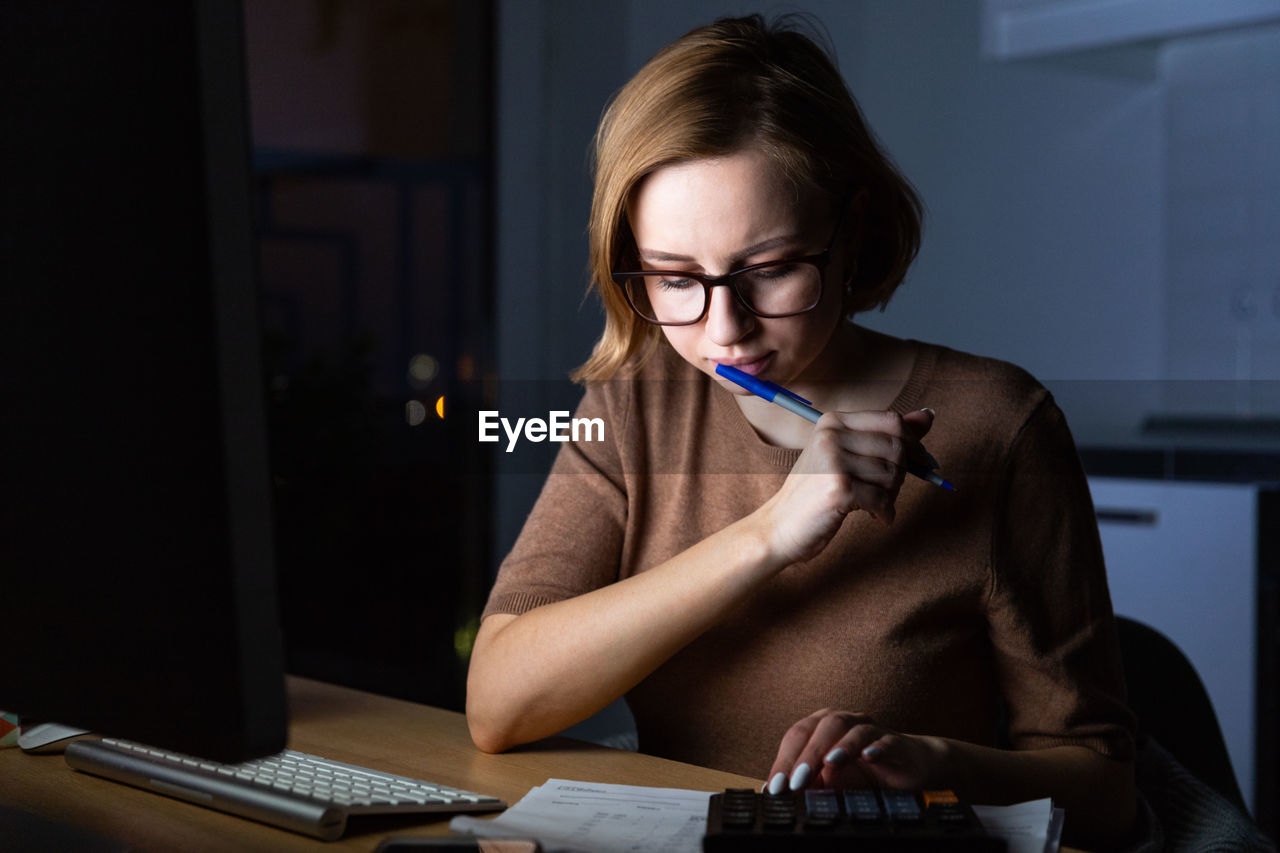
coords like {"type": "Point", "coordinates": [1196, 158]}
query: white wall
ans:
{"type": "Point", "coordinates": [1042, 183]}
{"type": "Point", "coordinates": [1222, 184]}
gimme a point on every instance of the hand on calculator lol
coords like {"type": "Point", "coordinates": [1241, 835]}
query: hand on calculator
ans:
{"type": "Point", "coordinates": [840, 749]}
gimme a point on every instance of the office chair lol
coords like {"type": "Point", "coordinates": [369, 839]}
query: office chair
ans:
{"type": "Point", "coordinates": [1173, 707]}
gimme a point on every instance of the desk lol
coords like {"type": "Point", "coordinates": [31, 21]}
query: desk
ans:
{"type": "Point", "coordinates": [345, 725]}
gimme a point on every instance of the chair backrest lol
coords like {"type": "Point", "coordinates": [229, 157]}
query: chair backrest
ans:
{"type": "Point", "coordinates": [1173, 707]}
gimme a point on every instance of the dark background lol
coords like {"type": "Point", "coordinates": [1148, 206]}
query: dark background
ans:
{"type": "Point", "coordinates": [371, 126]}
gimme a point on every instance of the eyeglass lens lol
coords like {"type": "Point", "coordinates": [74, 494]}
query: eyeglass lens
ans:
{"type": "Point", "coordinates": [776, 290]}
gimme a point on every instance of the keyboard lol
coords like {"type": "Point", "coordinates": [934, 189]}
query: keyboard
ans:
{"type": "Point", "coordinates": [884, 820]}
{"type": "Point", "coordinates": [291, 790]}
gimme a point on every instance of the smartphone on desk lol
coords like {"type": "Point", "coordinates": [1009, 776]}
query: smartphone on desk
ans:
{"type": "Point", "coordinates": [409, 844]}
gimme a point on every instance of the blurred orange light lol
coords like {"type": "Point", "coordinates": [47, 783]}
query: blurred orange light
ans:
{"type": "Point", "coordinates": [440, 407]}
{"type": "Point", "coordinates": [466, 367]}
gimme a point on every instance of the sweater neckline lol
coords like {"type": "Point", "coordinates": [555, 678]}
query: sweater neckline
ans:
{"type": "Point", "coordinates": [907, 398]}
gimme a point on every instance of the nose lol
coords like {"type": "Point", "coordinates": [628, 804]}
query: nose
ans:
{"type": "Point", "coordinates": [727, 321]}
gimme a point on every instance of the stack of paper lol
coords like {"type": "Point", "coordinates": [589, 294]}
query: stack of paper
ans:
{"type": "Point", "coordinates": [587, 817]}
{"type": "Point", "coordinates": [1031, 827]}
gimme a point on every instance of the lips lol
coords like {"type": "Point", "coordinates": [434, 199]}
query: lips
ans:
{"type": "Point", "coordinates": [753, 365]}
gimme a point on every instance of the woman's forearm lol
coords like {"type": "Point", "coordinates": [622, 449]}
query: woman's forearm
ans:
{"type": "Point", "coordinates": [1096, 792]}
{"type": "Point", "coordinates": [535, 674]}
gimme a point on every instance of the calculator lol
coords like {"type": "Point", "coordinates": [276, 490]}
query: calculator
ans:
{"type": "Point", "coordinates": [883, 819]}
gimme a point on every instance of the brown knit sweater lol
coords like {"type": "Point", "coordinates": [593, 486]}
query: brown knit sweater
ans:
{"type": "Point", "coordinates": [994, 590]}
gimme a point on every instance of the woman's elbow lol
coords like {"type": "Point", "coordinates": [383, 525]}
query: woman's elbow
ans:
{"type": "Point", "coordinates": [486, 737]}
{"type": "Point", "coordinates": [488, 731]}
{"type": "Point", "coordinates": [490, 726]}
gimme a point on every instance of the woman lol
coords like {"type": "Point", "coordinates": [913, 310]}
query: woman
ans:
{"type": "Point", "coordinates": [771, 594]}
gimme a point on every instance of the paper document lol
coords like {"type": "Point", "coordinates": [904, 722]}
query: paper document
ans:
{"type": "Point", "coordinates": [589, 817]}
{"type": "Point", "coordinates": [1030, 827]}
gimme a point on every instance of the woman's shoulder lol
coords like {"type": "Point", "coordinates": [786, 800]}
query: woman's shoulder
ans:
{"type": "Point", "coordinates": [989, 399]}
{"type": "Point", "coordinates": [994, 381]}
{"type": "Point", "coordinates": [959, 365]}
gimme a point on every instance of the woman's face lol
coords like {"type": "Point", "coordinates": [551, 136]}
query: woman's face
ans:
{"type": "Point", "coordinates": [717, 215]}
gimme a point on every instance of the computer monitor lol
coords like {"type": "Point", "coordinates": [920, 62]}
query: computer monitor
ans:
{"type": "Point", "coordinates": [138, 592]}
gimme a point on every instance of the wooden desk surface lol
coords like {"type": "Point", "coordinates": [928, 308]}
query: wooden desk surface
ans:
{"type": "Point", "coordinates": [345, 725]}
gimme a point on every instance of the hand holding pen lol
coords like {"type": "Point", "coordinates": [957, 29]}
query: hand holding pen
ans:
{"type": "Point", "coordinates": [854, 460]}
{"type": "Point", "coordinates": [792, 402]}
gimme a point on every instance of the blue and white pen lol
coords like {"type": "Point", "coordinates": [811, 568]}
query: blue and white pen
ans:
{"type": "Point", "coordinates": [792, 402]}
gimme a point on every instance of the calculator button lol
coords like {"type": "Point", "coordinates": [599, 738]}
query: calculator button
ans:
{"type": "Point", "coordinates": [822, 809]}
{"type": "Point", "coordinates": [949, 817]}
{"type": "Point", "coordinates": [778, 811]}
{"type": "Point", "coordinates": [901, 806]}
{"type": "Point", "coordinates": [936, 798]}
{"type": "Point", "coordinates": [862, 806]}
{"type": "Point", "coordinates": [821, 801]}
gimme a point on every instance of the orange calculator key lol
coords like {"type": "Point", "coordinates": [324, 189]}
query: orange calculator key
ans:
{"type": "Point", "coordinates": [939, 798]}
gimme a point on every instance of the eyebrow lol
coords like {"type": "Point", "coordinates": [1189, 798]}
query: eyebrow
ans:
{"type": "Point", "coordinates": [763, 246]}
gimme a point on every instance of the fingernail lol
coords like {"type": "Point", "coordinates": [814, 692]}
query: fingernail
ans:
{"type": "Point", "coordinates": [930, 411]}
{"type": "Point", "coordinates": [778, 783]}
{"type": "Point", "coordinates": [764, 787]}
{"type": "Point", "coordinates": [836, 756]}
{"type": "Point", "coordinates": [799, 777]}
{"type": "Point", "coordinates": [872, 751]}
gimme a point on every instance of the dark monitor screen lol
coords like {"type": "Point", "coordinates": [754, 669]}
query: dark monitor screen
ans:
{"type": "Point", "coordinates": [138, 594]}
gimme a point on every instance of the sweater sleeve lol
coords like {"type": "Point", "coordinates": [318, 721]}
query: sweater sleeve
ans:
{"type": "Point", "coordinates": [1049, 610]}
{"type": "Point", "coordinates": [572, 540]}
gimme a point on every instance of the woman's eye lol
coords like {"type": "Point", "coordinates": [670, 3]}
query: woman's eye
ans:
{"type": "Point", "coordinates": [774, 273]}
{"type": "Point", "coordinates": [675, 283]}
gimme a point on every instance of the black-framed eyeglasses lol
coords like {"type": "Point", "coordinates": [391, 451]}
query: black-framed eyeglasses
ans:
{"type": "Point", "coordinates": [781, 288]}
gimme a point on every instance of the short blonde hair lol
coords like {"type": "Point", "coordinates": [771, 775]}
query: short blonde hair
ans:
{"type": "Point", "coordinates": [734, 84]}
